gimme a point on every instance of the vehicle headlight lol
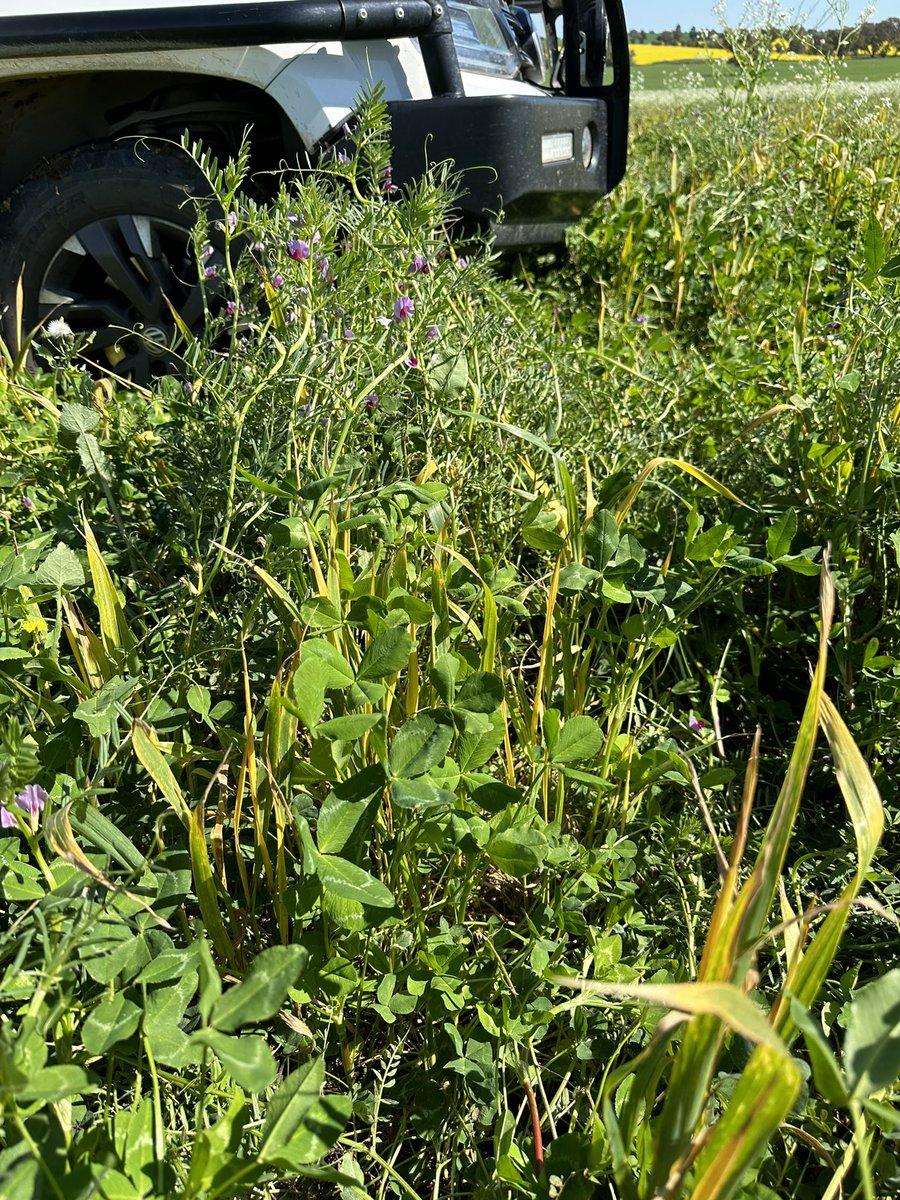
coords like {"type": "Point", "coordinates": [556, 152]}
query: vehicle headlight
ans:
{"type": "Point", "coordinates": [481, 42]}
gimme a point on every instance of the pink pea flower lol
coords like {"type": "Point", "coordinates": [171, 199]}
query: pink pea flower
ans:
{"type": "Point", "coordinates": [277, 281]}
{"type": "Point", "coordinates": [695, 724]}
{"type": "Point", "coordinates": [298, 249]}
{"type": "Point", "coordinates": [403, 308]}
{"type": "Point", "coordinates": [30, 800]}
{"type": "Point", "coordinates": [371, 401]}
{"type": "Point", "coordinates": [410, 361]}
{"type": "Point", "coordinates": [27, 502]}
{"type": "Point", "coordinates": [210, 272]}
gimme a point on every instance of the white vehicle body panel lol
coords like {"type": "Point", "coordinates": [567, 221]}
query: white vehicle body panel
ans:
{"type": "Point", "coordinates": [315, 84]}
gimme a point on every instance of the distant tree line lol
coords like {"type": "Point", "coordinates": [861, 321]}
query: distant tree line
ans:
{"type": "Point", "coordinates": [876, 38]}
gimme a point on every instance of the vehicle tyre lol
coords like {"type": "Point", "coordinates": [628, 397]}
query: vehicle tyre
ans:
{"type": "Point", "coordinates": [102, 239]}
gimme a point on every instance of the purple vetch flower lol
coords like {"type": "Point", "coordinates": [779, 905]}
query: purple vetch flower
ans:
{"type": "Point", "coordinates": [403, 308]}
{"type": "Point", "coordinates": [462, 263]}
{"type": "Point", "coordinates": [298, 249]}
{"type": "Point", "coordinates": [293, 219]}
{"type": "Point", "coordinates": [277, 281]}
{"type": "Point", "coordinates": [695, 724]}
{"type": "Point", "coordinates": [27, 502]}
{"type": "Point", "coordinates": [258, 247]}
{"type": "Point", "coordinates": [432, 333]}
{"type": "Point", "coordinates": [343, 158]}
{"type": "Point", "coordinates": [641, 320]}
{"type": "Point", "coordinates": [410, 361]}
{"type": "Point", "coordinates": [210, 272]}
{"type": "Point", "coordinates": [30, 800]}
{"type": "Point", "coordinates": [346, 130]}
{"type": "Point", "coordinates": [418, 265]}
{"type": "Point", "coordinates": [206, 251]}
{"type": "Point", "coordinates": [322, 267]}
{"type": "Point", "coordinates": [349, 335]}
{"type": "Point", "coordinates": [231, 308]}
{"type": "Point", "coordinates": [371, 401]}
{"type": "Point", "coordinates": [232, 221]}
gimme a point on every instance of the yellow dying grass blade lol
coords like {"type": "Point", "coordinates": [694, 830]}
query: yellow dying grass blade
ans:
{"type": "Point", "coordinates": [487, 636]}
{"type": "Point", "coordinates": [114, 632]}
{"type": "Point", "coordinates": [763, 1098]}
{"type": "Point", "coordinates": [735, 929]}
{"type": "Point", "coordinates": [546, 651]}
{"type": "Point", "coordinates": [688, 468]}
{"type": "Point", "coordinates": [79, 640]}
{"type": "Point", "coordinates": [754, 1113]}
{"type": "Point", "coordinates": [151, 758]}
{"type": "Point", "coordinates": [809, 969]}
{"type": "Point", "coordinates": [722, 1000]}
{"type": "Point", "coordinates": [61, 840]}
{"type": "Point", "coordinates": [205, 887]}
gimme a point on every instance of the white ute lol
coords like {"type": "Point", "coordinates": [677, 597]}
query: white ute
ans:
{"type": "Point", "coordinates": [94, 231]}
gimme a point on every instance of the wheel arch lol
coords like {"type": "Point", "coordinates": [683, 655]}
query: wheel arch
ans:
{"type": "Point", "coordinates": [44, 117]}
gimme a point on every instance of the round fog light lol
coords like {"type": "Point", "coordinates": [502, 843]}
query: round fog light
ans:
{"type": "Point", "coordinates": [587, 146]}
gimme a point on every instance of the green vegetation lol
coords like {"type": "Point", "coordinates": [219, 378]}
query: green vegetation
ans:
{"type": "Point", "coordinates": [653, 77]}
{"type": "Point", "coordinates": [411, 773]}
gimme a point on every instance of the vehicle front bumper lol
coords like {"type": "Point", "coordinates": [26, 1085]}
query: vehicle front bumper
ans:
{"type": "Point", "coordinates": [496, 143]}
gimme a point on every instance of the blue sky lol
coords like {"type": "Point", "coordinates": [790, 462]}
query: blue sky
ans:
{"type": "Point", "coordinates": [666, 14]}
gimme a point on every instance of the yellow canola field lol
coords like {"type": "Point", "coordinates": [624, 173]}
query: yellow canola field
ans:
{"type": "Point", "coordinates": [645, 56]}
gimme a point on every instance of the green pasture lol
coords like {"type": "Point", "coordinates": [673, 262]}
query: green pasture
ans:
{"type": "Point", "coordinates": [702, 74]}
{"type": "Point", "coordinates": [450, 728]}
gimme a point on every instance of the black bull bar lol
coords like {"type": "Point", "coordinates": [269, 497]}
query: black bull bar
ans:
{"type": "Point", "coordinates": [261, 22]}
